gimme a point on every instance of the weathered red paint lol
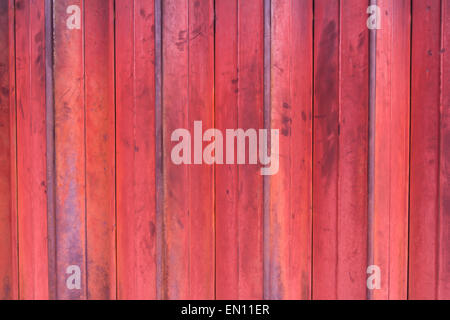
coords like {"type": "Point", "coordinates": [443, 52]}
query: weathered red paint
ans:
{"type": "Point", "coordinates": [290, 203]}
{"type": "Point", "coordinates": [8, 218]}
{"type": "Point", "coordinates": [135, 139]}
{"type": "Point", "coordinates": [31, 149]}
{"type": "Point", "coordinates": [390, 240]}
{"type": "Point", "coordinates": [226, 96]}
{"type": "Point", "coordinates": [340, 150]}
{"type": "Point", "coordinates": [100, 149]}
{"type": "Point", "coordinates": [429, 234]}
{"type": "Point", "coordinates": [188, 73]}
{"type": "Point", "coordinates": [70, 150]}
{"type": "Point", "coordinates": [239, 189]}
{"type": "Point", "coordinates": [443, 290]}
{"type": "Point", "coordinates": [224, 231]}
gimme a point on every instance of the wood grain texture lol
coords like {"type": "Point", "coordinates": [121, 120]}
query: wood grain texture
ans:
{"type": "Point", "coordinates": [354, 188]}
{"type": "Point", "coordinates": [188, 73]}
{"type": "Point", "coordinates": [100, 149]}
{"type": "Point", "coordinates": [392, 149]}
{"type": "Point", "coordinates": [428, 272]}
{"type": "Point", "coordinates": [70, 149]}
{"type": "Point", "coordinates": [135, 125]}
{"type": "Point", "coordinates": [239, 188]}
{"type": "Point", "coordinates": [443, 290]}
{"type": "Point", "coordinates": [8, 205]}
{"type": "Point", "coordinates": [226, 97]}
{"type": "Point", "coordinates": [425, 123]}
{"type": "Point", "coordinates": [290, 203]}
{"type": "Point", "coordinates": [340, 150]}
{"type": "Point", "coordinates": [31, 151]}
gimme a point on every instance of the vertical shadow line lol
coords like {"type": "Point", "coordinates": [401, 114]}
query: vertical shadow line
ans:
{"type": "Point", "coordinates": [50, 152]}
{"type": "Point", "coordinates": [371, 146]}
{"type": "Point", "coordinates": [267, 125]}
{"type": "Point", "coordinates": [160, 291]}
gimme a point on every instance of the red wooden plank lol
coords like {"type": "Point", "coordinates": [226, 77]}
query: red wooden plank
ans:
{"type": "Point", "coordinates": [8, 219]}
{"type": "Point", "coordinates": [201, 178]}
{"type": "Point", "coordinates": [340, 150]}
{"type": "Point", "coordinates": [226, 115]}
{"type": "Point", "coordinates": [392, 149]}
{"type": "Point", "coordinates": [443, 290]}
{"type": "Point", "coordinates": [326, 145]}
{"type": "Point", "coordinates": [70, 149]}
{"type": "Point", "coordinates": [429, 244]}
{"type": "Point", "coordinates": [250, 115]}
{"type": "Point", "coordinates": [136, 237]}
{"type": "Point", "coordinates": [425, 129]}
{"type": "Point", "coordinates": [239, 189]}
{"type": "Point", "coordinates": [188, 73]}
{"type": "Point", "coordinates": [353, 142]}
{"type": "Point", "coordinates": [31, 152]}
{"type": "Point", "coordinates": [175, 178]}
{"type": "Point", "coordinates": [100, 149]}
{"type": "Point", "coordinates": [290, 201]}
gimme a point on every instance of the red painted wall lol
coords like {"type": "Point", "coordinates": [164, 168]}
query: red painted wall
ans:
{"type": "Point", "coordinates": [91, 91]}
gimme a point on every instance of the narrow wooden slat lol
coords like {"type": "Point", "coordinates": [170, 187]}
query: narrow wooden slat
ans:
{"type": "Point", "coordinates": [8, 219]}
{"type": "Point", "coordinates": [250, 116]}
{"type": "Point", "coordinates": [443, 291]}
{"type": "Point", "coordinates": [392, 149]}
{"type": "Point", "coordinates": [188, 72]}
{"type": "Point", "coordinates": [31, 151]}
{"type": "Point", "coordinates": [291, 188]}
{"type": "Point", "coordinates": [325, 149]}
{"type": "Point", "coordinates": [100, 149]}
{"type": "Point", "coordinates": [340, 150]}
{"type": "Point", "coordinates": [227, 276]}
{"type": "Point", "coordinates": [353, 151]}
{"type": "Point", "coordinates": [175, 178]}
{"type": "Point", "coordinates": [239, 188]}
{"type": "Point", "coordinates": [200, 45]}
{"type": "Point", "coordinates": [425, 146]}
{"type": "Point", "coordinates": [70, 149]}
{"type": "Point", "coordinates": [135, 122]}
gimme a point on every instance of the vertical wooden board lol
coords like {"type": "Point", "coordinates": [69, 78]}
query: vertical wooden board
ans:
{"type": "Point", "coordinates": [239, 70]}
{"type": "Point", "coordinates": [353, 151]}
{"type": "Point", "coordinates": [70, 148]}
{"type": "Point", "coordinates": [135, 85]}
{"type": "Point", "coordinates": [188, 190]}
{"type": "Point", "coordinates": [443, 291]}
{"type": "Point", "coordinates": [8, 223]}
{"type": "Point", "coordinates": [250, 116]}
{"type": "Point", "coordinates": [291, 187]}
{"type": "Point", "coordinates": [175, 178]}
{"type": "Point", "coordinates": [100, 150]}
{"type": "Point", "coordinates": [31, 151]}
{"type": "Point", "coordinates": [201, 177]}
{"type": "Point", "coordinates": [341, 135]}
{"type": "Point", "coordinates": [425, 121]}
{"type": "Point", "coordinates": [226, 81]}
{"type": "Point", "coordinates": [325, 149]}
{"type": "Point", "coordinates": [392, 149]}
